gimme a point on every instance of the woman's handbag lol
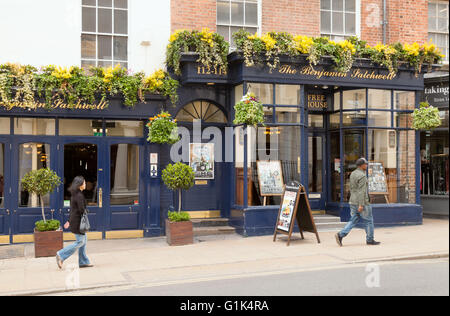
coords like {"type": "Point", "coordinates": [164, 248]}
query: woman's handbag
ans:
{"type": "Point", "coordinates": [84, 223]}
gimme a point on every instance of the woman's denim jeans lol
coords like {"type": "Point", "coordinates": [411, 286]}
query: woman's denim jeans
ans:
{"type": "Point", "coordinates": [80, 244]}
{"type": "Point", "coordinates": [365, 217]}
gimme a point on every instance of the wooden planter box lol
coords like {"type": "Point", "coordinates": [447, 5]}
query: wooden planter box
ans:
{"type": "Point", "coordinates": [179, 233]}
{"type": "Point", "coordinates": [46, 244]}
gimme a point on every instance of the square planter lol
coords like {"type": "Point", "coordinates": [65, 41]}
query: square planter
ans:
{"type": "Point", "coordinates": [179, 233]}
{"type": "Point", "coordinates": [46, 244]}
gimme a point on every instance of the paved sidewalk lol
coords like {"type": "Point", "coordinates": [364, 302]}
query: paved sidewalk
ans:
{"type": "Point", "coordinates": [150, 261]}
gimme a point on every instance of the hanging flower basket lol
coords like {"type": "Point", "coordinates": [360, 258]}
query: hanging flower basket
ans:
{"type": "Point", "coordinates": [162, 129]}
{"type": "Point", "coordinates": [426, 117]}
{"type": "Point", "coordinates": [249, 111]}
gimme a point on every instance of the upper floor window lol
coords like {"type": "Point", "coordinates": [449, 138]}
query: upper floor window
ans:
{"type": "Point", "coordinates": [339, 19]}
{"type": "Point", "coordinates": [438, 25]}
{"type": "Point", "coordinates": [233, 15]}
{"type": "Point", "coordinates": [104, 33]}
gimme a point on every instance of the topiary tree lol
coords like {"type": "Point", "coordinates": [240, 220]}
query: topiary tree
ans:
{"type": "Point", "coordinates": [41, 182]}
{"type": "Point", "coordinates": [178, 177]}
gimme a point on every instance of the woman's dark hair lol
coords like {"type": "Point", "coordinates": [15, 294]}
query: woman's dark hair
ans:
{"type": "Point", "coordinates": [76, 184]}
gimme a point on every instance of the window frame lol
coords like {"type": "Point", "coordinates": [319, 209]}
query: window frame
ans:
{"type": "Point", "coordinates": [341, 129]}
{"type": "Point", "coordinates": [111, 35]}
{"type": "Point", "coordinates": [331, 35]}
{"type": "Point", "coordinates": [437, 32]}
{"type": "Point", "coordinates": [258, 25]}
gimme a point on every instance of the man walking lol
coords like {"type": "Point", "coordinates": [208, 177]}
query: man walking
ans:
{"type": "Point", "coordinates": [360, 209]}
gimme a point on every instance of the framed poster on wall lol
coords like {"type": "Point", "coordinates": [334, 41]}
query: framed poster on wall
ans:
{"type": "Point", "coordinates": [201, 160]}
{"type": "Point", "coordinates": [270, 177]}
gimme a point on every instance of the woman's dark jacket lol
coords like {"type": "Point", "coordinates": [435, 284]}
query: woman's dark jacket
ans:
{"type": "Point", "coordinates": [77, 207]}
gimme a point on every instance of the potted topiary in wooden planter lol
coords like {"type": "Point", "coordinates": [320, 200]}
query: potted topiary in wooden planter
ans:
{"type": "Point", "coordinates": [48, 235]}
{"type": "Point", "coordinates": [179, 229]}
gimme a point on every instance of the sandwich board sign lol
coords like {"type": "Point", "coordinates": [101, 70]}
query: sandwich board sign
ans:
{"type": "Point", "coordinates": [295, 208]}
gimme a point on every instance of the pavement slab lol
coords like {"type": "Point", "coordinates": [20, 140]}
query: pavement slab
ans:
{"type": "Point", "coordinates": [151, 260]}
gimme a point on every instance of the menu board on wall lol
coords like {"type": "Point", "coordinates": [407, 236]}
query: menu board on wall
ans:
{"type": "Point", "coordinates": [270, 177]}
{"type": "Point", "coordinates": [377, 178]}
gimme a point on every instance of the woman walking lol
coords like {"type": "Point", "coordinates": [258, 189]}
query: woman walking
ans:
{"type": "Point", "coordinates": [77, 208]}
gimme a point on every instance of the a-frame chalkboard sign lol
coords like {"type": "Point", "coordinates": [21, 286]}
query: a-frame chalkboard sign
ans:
{"type": "Point", "coordinates": [295, 207]}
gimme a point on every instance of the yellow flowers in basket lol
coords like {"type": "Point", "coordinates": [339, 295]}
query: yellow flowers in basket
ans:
{"type": "Point", "coordinates": [62, 72]}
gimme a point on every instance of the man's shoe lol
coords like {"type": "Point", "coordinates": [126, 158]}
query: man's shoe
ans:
{"type": "Point", "coordinates": [86, 266]}
{"type": "Point", "coordinates": [373, 243]}
{"type": "Point", "coordinates": [59, 261]}
{"type": "Point", "coordinates": [338, 239]}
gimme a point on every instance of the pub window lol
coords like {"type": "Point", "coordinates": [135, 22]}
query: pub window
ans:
{"type": "Point", "coordinates": [124, 183]}
{"type": "Point", "coordinates": [438, 25]}
{"type": "Point", "coordinates": [404, 104]}
{"type": "Point", "coordinates": [406, 191]}
{"type": "Point", "coordinates": [434, 152]}
{"type": "Point", "coordinates": [104, 34]}
{"type": "Point", "coordinates": [34, 126]}
{"type": "Point", "coordinates": [339, 19]}
{"type": "Point", "coordinates": [201, 110]}
{"type": "Point", "coordinates": [2, 175]}
{"type": "Point", "coordinates": [125, 128]}
{"type": "Point", "coordinates": [316, 120]}
{"type": "Point", "coordinates": [383, 153]}
{"type": "Point", "coordinates": [354, 99]}
{"type": "Point", "coordinates": [354, 148]}
{"type": "Point", "coordinates": [287, 94]}
{"type": "Point", "coordinates": [279, 140]}
{"type": "Point", "coordinates": [233, 15]}
{"type": "Point", "coordinates": [4, 125]}
{"type": "Point", "coordinates": [80, 127]}
{"type": "Point", "coordinates": [273, 143]}
{"type": "Point", "coordinates": [264, 92]}
{"type": "Point", "coordinates": [32, 156]}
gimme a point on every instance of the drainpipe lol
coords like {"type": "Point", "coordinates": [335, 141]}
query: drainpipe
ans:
{"type": "Point", "coordinates": [384, 22]}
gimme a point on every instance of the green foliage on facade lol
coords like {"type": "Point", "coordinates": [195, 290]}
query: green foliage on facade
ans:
{"type": "Point", "coordinates": [211, 47]}
{"type": "Point", "coordinates": [268, 47]}
{"type": "Point", "coordinates": [249, 111]}
{"type": "Point", "coordinates": [162, 129]}
{"type": "Point", "coordinates": [426, 117]}
{"type": "Point", "coordinates": [21, 86]}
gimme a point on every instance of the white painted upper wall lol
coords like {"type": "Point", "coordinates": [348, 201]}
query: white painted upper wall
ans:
{"type": "Point", "coordinates": [40, 32]}
{"type": "Point", "coordinates": [148, 20]}
{"type": "Point", "coordinates": [48, 32]}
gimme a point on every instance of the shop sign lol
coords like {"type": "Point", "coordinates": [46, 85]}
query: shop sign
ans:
{"type": "Point", "coordinates": [356, 73]}
{"type": "Point", "coordinates": [218, 71]}
{"type": "Point", "coordinates": [59, 104]}
{"type": "Point", "coordinates": [201, 160]}
{"type": "Point", "coordinates": [437, 95]}
{"type": "Point", "coordinates": [317, 102]}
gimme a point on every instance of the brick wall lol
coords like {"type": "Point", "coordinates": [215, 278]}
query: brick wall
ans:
{"type": "Point", "coordinates": [407, 166]}
{"type": "Point", "coordinates": [407, 19]}
{"type": "Point", "coordinates": [293, 16]}
{"type": "Point", "coordinates": [371, 18]}
{"type": "Point", "coordinates": [193, 14]}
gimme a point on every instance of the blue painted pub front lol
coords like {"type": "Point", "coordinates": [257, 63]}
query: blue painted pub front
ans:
{"type": "Point", "coordinates": [317, 124]}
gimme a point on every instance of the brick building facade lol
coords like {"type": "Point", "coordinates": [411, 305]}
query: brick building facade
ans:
{"type": "Point", "coordinates": [406, 20]}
